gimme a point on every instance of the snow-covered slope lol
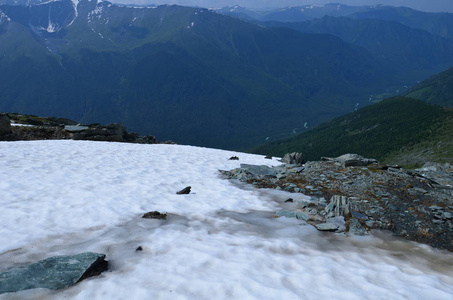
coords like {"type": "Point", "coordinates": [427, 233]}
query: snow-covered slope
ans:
{"type": "Point", "coordinates": [219, 242]}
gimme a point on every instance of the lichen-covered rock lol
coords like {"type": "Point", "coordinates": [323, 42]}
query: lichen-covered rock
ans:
{"type": "Point", "coordinates": [416, 205]}
{"type": "Point", "coordinates": [259, 171]}
{"type": "Point", "coordinates": [352, 160]}
{"type": "Point", "coordinates": [295, 158]}
{"type": "Point", "coordinates": [356, 228]}
{"type": "Point", "coordinates": [53, 273]}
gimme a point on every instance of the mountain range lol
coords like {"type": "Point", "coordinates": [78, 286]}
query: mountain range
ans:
{"type": "Point", "coordinates": [413, 52]}
{"type": "Point", "coordinates": [188, 74]}
{"type": "Point", "coordinates": [440, 24]}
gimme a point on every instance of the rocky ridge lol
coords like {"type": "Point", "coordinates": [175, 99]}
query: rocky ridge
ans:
{"type": "Point", "coordinates": [15, 127]}
{"type": "Point", "coordinates": [354, 194]}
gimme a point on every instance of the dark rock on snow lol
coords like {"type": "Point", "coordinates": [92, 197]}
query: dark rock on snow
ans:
{"type": "Point", "coordinates": [234, 158]}
{"type": "Point", "coordinates": [53, 273]}
{"type": "Point", "coordinates": [154, 215]}
{"type": "Point", "coordinates": [184, 191]}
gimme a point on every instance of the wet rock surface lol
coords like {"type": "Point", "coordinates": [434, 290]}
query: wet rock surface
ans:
{"type": "Point", "coordinates": [416, 205]}
{"type": "Point", "coordinates": [53, 273]}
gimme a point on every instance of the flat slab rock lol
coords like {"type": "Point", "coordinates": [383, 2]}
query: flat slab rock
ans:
{"type": "Point", "coordinates": [259, 170]}
{"type": "Point", "coordinates": [326, 227]}
{"type": "Point", "coordinates": [53, 273]}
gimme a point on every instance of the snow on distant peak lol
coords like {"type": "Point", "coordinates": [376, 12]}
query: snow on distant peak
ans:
{"type": "Point", "coordinates": [3, 16]}
{"type": "Point", "coordinates": [76, 14]}
{"type": "Point", "coordinates": [52, 27]}
{"type": "Point", "coordinates": [47, 2]}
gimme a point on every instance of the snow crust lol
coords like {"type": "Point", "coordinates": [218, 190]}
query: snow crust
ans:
{"type": "Point", "coordinates": [221, 241]}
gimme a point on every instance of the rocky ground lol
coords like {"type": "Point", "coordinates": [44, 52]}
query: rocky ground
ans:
{"type": "Point", "coordinates": [354, 194]}
{"type": "Point", "coordinates": [16, 127]}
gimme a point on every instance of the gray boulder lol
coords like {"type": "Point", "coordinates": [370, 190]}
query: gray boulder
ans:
{"type": "Point", "coordinates": [326, 227]}
{"type": "Point", "coordinates": [356, 228]}
{"type": "Point", "coordinates": [293, 214]}
{"type": "Point", "coordinates": [352, 160]}
{"type": "Point", "coordinates": [259, 170]}
{"type": "Point", "coordinates": [53, 273]}
{"type": "Point", "coordinates": [5, 125]}
{"type": "Point", "coordinates": [295, 158]}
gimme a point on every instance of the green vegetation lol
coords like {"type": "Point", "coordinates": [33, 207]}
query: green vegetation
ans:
{"type": "Point", "coordinates": [436, 90]}
{"type": "Point", "coordinates": [377, 131]}
{"type": "Point", "coordinates": [437, 146]}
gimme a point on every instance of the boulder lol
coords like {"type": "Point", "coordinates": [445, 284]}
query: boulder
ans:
{"type": "Point", "coordinates": [326, 227]}
{"type": "Point", "coordinates": [259, 171]}
{"type": "Point", "coordinates": [352, 160]}
{"type": "Point", "coordinates": [356, 228]}
{"type": "Point", "coordinates": [154, 215]}
{"type": "Point", "coordinates": [295, 158]}
{"type": "Point", "coordinates": [53, 273]}
{"type": "Point", "coordinates": [293, 214]}
{"type": "Point", "coordinates": [339, 222]}
{"type": "Point", "coordinates": [5, 125]}
{"type": "Point", "coordinates": [184, 191]}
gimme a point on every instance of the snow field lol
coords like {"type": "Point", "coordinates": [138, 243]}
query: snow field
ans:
{"type": "Point", "coordinates": [219, 242]}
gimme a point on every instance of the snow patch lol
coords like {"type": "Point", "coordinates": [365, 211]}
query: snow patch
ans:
{"type": "Point", "coordinates": [52, 27]}
{"type": "Point", "coordinates": [76, 13]}
{"type": "Point", "coordinates": [219, 242]}
{"type": "Point", "coordinates": [3, 16]}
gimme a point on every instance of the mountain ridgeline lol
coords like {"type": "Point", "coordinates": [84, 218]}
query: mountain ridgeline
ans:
{"type": "Point", "coordinates": [415, 53]}
{"type": "Point", "coordinates": [440, 24]}
{"type": "Point", "coordinates": [188, 74]}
